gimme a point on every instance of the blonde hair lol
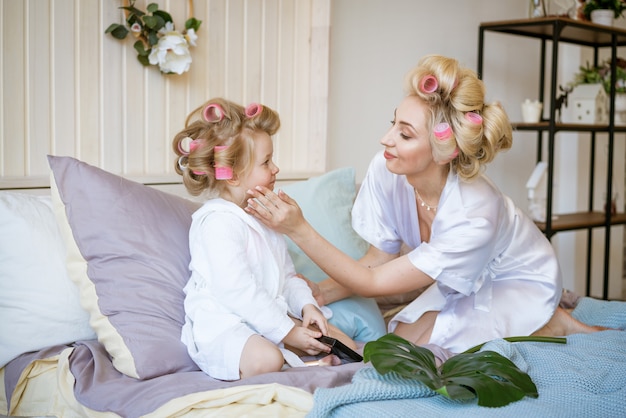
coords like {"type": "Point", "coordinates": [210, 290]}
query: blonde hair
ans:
{"type": "Point", "coordinates": [452, 94]}
{"type": "Point", "coordinates": [232, 127]}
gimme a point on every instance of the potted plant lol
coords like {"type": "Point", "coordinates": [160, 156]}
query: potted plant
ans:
{"type": "Point", "coordinates": [603, 11]}
{"type": "Point", "coordinates": [602, 75]}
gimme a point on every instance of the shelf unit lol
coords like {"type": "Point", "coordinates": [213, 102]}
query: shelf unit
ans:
{"type": "Point", "coordinates": [556, 30]}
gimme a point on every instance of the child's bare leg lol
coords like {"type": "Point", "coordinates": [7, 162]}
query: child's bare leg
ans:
{"type": "Point", "coordinates": [562, 324]}
{"type": "Point", "coordinates": [338, 334]}
{"type": "Point", "coordinates": [259, 356]}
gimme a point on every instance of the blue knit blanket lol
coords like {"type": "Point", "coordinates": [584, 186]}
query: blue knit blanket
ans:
{"type": "Point", "coordinates": [584, 378]}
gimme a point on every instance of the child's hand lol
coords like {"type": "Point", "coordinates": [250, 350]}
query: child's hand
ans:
{"type": "Point", "coordinates": [313, 316]}
{"type": "Point", "coordinates": [304, 339]}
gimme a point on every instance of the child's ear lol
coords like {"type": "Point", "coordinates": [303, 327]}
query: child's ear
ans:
{"type": "Point", "coordinates": [234, 182]}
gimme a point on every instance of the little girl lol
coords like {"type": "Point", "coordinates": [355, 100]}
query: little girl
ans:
{"type": "Point", "coordinates": [244, 303]}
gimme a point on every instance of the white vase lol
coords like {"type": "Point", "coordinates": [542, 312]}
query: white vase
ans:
{"type": "Point", "coordinates": [602, 17]}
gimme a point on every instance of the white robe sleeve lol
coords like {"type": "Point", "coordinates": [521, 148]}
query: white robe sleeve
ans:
{"type": "Point", "coordinates": [297, 293]}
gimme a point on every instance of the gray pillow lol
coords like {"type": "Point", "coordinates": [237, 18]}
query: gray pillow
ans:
{"type": "Point", "coordinates": [128, 253]}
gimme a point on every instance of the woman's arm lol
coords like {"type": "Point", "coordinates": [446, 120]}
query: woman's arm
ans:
{"type": "Point", "coordinates": [283, 214]}
{"type": "Point", "coordinates": [330, 290]}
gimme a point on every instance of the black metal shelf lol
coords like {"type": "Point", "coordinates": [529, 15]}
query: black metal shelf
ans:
{"type": "Point", "coordinates": [556, 30]}
{"type": "Point", "coordinates": [582, 220]}
{"type": "Point", "coordinates": [567, 127]}
{"type": "Point", "coordinates": [571, 31]}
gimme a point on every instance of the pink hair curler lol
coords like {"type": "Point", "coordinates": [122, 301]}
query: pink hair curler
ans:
{"type": "Point", "coordinates": [429, 84]}
{"type": "Point", "coordinates": [213, 113]}
{"type": "Point", "coordinates": [222, 172]}
{"type": "Point", "coordinates": [253, 110]}
{"type": "Point", "coordinates": [195, 144]}
{"type": "Point", "coordinates": [184, 145]}
{"type": "Point", "coordinates": [442, 131]}
{"type": "Point", "coordinates": [474, 117]}
{"type": "Point", "coordinates": [455, 153]}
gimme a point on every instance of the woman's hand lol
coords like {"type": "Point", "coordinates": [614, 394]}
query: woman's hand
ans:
{"type": "Point", "coordinates": [315, 290]}
{"type": "Point", "coordinates": [277, 211]}
{"type": "Point", "coordinates": [313, 316]}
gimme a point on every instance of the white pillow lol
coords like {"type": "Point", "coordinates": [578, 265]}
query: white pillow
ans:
{"type": "Point", "coordinates": [39, 304]}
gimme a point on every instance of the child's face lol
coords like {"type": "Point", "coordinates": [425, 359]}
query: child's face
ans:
{"type": "Point", "coordinates": [264, 170]}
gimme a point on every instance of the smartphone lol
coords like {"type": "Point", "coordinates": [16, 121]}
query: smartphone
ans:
{"type": "Point", "coordinates": [346, 354]}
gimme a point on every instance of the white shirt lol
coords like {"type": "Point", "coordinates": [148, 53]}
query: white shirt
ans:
{"type": "Point", "coordinates": [241, 273]}
{"type": "Point", "coordinates": [484, 253]}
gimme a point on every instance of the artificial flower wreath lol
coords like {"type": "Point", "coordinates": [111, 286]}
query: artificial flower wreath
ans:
{"type": "Point", "coordinates": [158, 43]}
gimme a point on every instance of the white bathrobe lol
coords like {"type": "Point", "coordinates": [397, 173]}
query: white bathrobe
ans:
{"type": "Point", "coordinates": [242, 283]}
{"type": "Point", "coordinates": [496, 274]}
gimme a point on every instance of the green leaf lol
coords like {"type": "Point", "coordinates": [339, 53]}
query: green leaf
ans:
{"type": "Point", "coordinates": [117, 31]}
{"type": "Point", "coordinates": [193, 23]}
{"type": "Point", "coordinates": [393, 353]}
{"type": "Point", "coordinates": [152, 7]}
{"type": "Point", "coordinates": [154, 22]}
{"type": "Point", "coordinates": [490, 377]}
{"type": "Point", "coordinates": [163, 15]}
{"type": "Point", "coordinates": [153, 38]}
{"type": "Point", "coordinates": [133, 11]}
{"type": "Point", "coordinates": [555, 340]}
{"type": "Point", "coordinates": [141, 50]}
{"type": "Point", "coordinates": [494, 379]}
{"type": "Point", "coordinates": [143, 59]}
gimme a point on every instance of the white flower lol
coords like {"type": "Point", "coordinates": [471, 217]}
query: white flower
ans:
{"type": "Point", "coordinates": [169, 27]}
{"type": "Point", "coordinates": [171, 53]}
{"type": "Point", "coordinates": [136, 27]}
{"type": "Point", "coordinates": [191, 36]}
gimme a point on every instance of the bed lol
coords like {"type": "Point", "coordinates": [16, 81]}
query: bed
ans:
{"type": "Point", "coordinates": [91, 279]}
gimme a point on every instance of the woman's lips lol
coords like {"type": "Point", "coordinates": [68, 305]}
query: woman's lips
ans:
{"type": "Point", "coordinates": [388, 156]}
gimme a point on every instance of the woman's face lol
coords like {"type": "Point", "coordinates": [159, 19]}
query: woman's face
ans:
{"type": "Point", "coordinates": [407, 143]}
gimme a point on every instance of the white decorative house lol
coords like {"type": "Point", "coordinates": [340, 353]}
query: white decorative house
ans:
{"type": "Point", "coordinates": [537, 188]}
{"type": "Point", "coordinates": [589, 103]}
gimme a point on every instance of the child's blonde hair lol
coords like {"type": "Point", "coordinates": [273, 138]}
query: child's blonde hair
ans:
{"type": "Point", "coordinates": [455, 96]}
{"type": "Point", "coordinates": [219, 122]}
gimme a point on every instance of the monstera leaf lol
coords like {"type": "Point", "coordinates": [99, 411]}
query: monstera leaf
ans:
{"type": "Point", "coordinates": [486, 375]}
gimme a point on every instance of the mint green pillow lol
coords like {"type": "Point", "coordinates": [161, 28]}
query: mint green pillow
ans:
{"type": "Point", "coordinates": [326, 202]}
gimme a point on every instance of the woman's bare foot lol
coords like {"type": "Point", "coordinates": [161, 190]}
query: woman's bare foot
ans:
{"type": "Point", "coordinates": [329, 360]}
{"type": "Point", "coordinates": [562, 324]}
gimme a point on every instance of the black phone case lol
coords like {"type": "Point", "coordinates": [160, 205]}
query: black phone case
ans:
{"type": "Point", "coordinates": [346, 354]}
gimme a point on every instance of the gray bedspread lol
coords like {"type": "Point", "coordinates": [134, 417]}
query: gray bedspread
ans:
{"type": "Point", "coordinates": [100, 387]}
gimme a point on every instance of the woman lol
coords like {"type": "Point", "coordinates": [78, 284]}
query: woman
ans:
{"type": "Point", "coordinates": [490, 272]}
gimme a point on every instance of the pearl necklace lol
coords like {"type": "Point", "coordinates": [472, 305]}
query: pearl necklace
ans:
{"type": "Point", "coordinates": [424, 204]}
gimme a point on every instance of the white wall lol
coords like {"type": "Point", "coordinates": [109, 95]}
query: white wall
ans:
{"type": "Point", "coordinates": [70, 89]}
{"type": "Point", "coordinates": [374, 43]}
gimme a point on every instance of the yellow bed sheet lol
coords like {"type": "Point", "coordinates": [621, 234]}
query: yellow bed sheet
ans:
{"type": "Point", "coordinates": [46, 389]}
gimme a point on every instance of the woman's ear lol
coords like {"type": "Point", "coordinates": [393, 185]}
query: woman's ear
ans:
{"type": "Point", "coordinates": [447, 160]}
